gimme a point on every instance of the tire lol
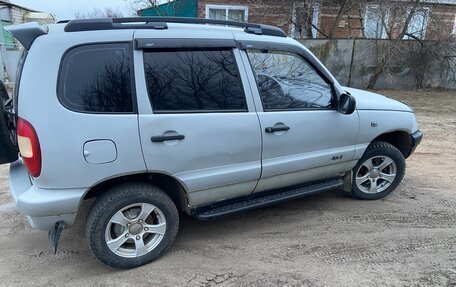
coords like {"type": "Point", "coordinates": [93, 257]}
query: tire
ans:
{"type": "Point", "coordinates": [8, 147]}
{"type": "Point", "coordinates": [134, 207]}
{"type": "Point", "coordinates": [379, 171]}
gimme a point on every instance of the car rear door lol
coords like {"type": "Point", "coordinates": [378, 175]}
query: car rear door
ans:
{"type": "Point", "coordinates": [197, 118]}
{"type": "Point", "coordinates": [304, 137]}
{"type": "Point", "coordinates": [8, 144]}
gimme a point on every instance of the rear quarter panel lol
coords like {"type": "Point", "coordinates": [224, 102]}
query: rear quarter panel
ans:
{"type": "Point", "coordinates": [62, 133]}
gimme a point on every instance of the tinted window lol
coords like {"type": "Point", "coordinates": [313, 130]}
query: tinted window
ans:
{"type": "Point", "coordinates": [286, 82]}
{"type": "Point", "coordinates": [97, 78]}
{"type": "Point", "coordinates": [194, 81]}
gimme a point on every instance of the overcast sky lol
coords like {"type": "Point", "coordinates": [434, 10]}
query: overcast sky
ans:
{"type": "Point", "coordinates": [65, 9]}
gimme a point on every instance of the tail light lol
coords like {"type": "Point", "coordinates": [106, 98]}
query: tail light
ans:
{"type": "Point", "coordinates": [29, 147]}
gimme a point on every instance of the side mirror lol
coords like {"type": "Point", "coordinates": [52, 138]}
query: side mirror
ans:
{"type": "Point", "coordinates": [347, 104]}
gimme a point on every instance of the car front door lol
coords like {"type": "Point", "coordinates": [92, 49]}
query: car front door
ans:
{"type": "Point", "coordinates": [304, 137]}
{"type": "Point", "coordinates": [198, 122]}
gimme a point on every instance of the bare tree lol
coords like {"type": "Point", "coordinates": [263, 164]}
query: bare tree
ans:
{"type": "Point", "coordinates": [99, 13]}
{"type": "Point", "coordinates": [398, 20]}
{"type": "Point", "coordinates": [301, 20]}
{"type": "Point", "coordinates": [172, 7]}
{"type": "Point", "coordinates": [345, 9]}
{"type": "Point", "coordinates": [304, 12]}
{"type": "Point", "coordinates": [109, 87]}
{"type": "Point", "coordinates": [136, 5]}
{"type": "Point", "coordinates": [411, 20]}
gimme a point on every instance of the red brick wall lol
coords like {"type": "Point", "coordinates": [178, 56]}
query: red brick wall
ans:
{"type": "Point", "coordinates": [279, 13]}
{"type": "Point", "coordinates": [264, 12]}
{"type": "Point", "coordinates": [441, 23]}
{"type": "Point", "coordinates": [348, 26]}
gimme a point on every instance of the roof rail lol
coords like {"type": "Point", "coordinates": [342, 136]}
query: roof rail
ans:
{"type": "Point", "coordinates": [160, 23]}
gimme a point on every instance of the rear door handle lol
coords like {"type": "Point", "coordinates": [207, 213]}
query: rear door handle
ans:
{"type": "Point", "coordinates": [276, 129]}
{"type": "Point", "coordinates": [157, 139]}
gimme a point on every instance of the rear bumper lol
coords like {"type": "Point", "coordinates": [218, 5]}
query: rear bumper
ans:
{"type": "Point", "coordinates": [416, 138]}
{"type": "Point", "coordinates": [42, 207]}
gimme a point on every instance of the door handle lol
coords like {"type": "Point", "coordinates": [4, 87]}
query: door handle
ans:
{"type": "Point", "coordinates": [157, 139]}
{"type": "Point", "coordinates": [276, 129]}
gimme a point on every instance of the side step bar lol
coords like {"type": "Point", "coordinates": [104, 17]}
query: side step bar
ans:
{"type": "Point", "coordinates": [257, 201]}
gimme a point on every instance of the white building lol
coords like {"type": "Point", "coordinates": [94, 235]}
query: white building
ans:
{"type": "Point", "coordinates": [11, 14]}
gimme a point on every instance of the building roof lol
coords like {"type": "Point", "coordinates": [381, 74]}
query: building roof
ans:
{"type": "Point", "coordinates": [9, 4]}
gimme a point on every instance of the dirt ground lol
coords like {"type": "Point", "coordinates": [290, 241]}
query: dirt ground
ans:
{"type": "Point", "coordinates": [407, 239]}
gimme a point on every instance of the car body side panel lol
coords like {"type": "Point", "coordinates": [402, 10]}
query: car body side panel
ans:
{"type": "Point", "coordinates": [303, 176]}
{"type": "Point", "coordinates": [224, 150]}
{"type": "Point", "coordinates": [316, 138]}
{"type": "Point", "coordinates": [374, 123]}
{"type": "Point", "coordinates": [366, 100]}
{"type": "Point", "coordinates": [220, 156]}
{"type": "Point", "coordinates": [63, 133]}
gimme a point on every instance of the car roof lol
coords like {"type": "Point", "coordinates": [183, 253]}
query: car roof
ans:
{"type": "Point", "coordinates": [104, 29]}
{"type": "Point", "coordinates": [190, 30]}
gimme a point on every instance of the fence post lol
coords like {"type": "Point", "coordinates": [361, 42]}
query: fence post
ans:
{"type": "Point", "coordinates": [351, 63]}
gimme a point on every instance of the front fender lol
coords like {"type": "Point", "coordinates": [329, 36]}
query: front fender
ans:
{"type": "Point", "coordinates": [375, 123]}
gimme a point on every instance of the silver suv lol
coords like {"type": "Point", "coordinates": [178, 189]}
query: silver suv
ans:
{"type": "Point", "coordinates": [152, 116]}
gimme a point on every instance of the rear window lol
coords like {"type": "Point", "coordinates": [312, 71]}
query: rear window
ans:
{"type": "Point", "coordinates": [194, 81]}
{"type": "Point", "coordinates": [97, 78]}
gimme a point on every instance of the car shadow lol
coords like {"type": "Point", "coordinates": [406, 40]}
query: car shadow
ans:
{"type": "Point", "coordinates": [194, 232]}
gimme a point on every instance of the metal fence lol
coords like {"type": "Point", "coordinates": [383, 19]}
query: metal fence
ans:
{"type": "Point", "coordinates": [409, 64]}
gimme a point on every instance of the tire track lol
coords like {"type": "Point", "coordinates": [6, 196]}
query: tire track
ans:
{"type": "Point", "coordinates": [344, 253]}
{"type": "Point", "coordinates": [353, 222]}
{"type": "Point", "coordinates": [413, 218]}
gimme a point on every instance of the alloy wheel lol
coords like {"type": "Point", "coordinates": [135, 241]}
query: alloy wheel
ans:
{"type": "Point", "coordinates": [135, 230]}
{"type": "Point", "coordinates": [376, 174]}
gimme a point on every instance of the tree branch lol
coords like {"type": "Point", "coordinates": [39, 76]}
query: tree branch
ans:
{"type": "Point", "coordinates": [318, 30]}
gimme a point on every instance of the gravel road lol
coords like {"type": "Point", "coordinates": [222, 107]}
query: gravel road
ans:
{"type": "Point", "coordinates": [407, 239]}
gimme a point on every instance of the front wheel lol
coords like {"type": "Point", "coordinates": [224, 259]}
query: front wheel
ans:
{"type": "Point", "coordinates": [378, 172]}
{"type": "Point", "coordinates": [131, 225]}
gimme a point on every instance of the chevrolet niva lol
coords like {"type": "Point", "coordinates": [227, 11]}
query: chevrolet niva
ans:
{"type": "Point", "coordinates": [152, 116]}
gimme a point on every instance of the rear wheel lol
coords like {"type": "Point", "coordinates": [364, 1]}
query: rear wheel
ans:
{"type": "Point", "coordinates": [378, 172]}
{"type": "Point", "coordinates": [131, 225]}
{"type": "Point", "coordinates": [8, 147]}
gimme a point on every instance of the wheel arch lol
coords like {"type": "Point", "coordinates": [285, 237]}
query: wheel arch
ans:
{"type": "Point", "coordinates": [400, 139]}
{"type": "Point", "coordinates": [170, 185]}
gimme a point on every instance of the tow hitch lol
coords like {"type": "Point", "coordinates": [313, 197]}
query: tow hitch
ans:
{"type": "Point", "coordinates": [54, 235]}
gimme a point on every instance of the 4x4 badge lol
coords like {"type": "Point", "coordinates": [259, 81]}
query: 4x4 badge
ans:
{"type": "Point", "coordinates": [339, 157]}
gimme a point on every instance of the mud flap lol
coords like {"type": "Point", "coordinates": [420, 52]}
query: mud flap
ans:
{"type": "Point", "coordinates": [54, 235]}
{"type": "Point", "coordinates": [348, 181]}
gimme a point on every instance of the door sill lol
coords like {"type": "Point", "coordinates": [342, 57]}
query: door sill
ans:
{"type": "Point", "coordinates": [254, 201]}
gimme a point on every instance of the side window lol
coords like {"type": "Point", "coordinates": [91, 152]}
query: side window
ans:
{"type": "Point", "coordinates": [286, 82]}
{"type": "Point", "coordinates": [97, 78]}
{"type": "Point", "coordinates": [194, 81]}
